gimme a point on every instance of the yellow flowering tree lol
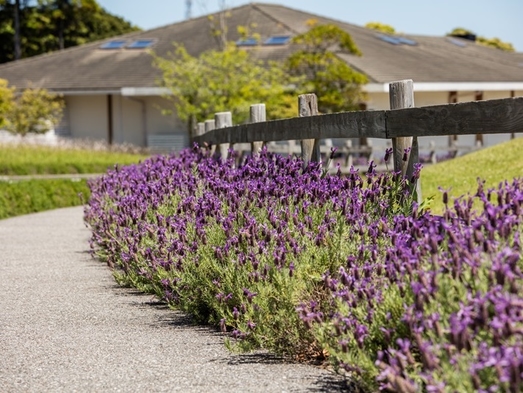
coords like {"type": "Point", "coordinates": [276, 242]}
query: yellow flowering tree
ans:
{"type": "Point", "coordinates": [336, 84]}
{"type": "Point", "coordinates": [231, 79]}
{"type": "Point", "coordinates": [6, 101]}
{"type": "Point", "coordinates": [30, 111]}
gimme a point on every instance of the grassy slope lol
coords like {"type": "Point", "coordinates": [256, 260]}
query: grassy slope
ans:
{"type": "Point", "coordinates": [494, 165]}
{"type": "Point", "coordinates": [29, 160]}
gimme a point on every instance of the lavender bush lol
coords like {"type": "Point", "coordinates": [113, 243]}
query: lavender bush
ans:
{"type": "Point", "coordinates": [310, 265]}
{"type": "Point", "coordinates": [439, 308]}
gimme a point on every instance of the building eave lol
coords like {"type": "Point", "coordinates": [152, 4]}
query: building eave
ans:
{"type": "Point", "coordinates": [369, 88]}
{"type": "Point", "coordinates": [86, 92]}
{"type": "Point", "coordinates": [145, 91]}
{"type": "Point", "coordinates": [449, 86]}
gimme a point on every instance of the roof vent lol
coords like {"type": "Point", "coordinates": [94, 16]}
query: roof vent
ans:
{"type": "Point", "coordinates": [466, 36]}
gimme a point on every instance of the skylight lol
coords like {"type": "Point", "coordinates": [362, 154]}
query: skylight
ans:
{"type": "Point", "coordinates": [141, 44]}
{"type": "Point", "coordinates": [247, 42]}
{"type": "Point", "coordinates": [395, 40]}
{"type": "Point", "coordinates": [277, 40]}
{"type": "Point", "coordinates": [115, 44]}
{"type": "Point", "coordinates": [389, 39]}
{"type": "Point", "coordinates": [457, 42]}
{"type": "Point", "coordinates": [407, 41]}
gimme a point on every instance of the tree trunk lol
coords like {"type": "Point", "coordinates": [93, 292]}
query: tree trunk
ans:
{"type": "Point", "coordinates": [61, 34]}
{"type": "Point", "coordinates": [18, 48]}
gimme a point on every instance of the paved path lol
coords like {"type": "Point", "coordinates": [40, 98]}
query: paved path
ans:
{"type": "Point", "coordinates": [66, 327]}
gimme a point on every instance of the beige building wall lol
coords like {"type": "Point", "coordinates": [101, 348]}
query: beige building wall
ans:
{"type": "Point", "coordinates": [133, 119]}
{"type": "Point", "coordinates": [87, 117]}
{"type": "Point", "coordinates": [137, 118]}
{"type": "Point", "coordinates": [495, 95]}
{"type": "Point", "coordinates": [128, 121]}
{"type": "Point", "coordinates": [159, 123]}
{"type": "Point", "coordinates": [380, 101]}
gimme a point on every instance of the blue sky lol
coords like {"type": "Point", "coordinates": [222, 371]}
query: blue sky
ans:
{"type": "Point", "coordinates": [488, 18]}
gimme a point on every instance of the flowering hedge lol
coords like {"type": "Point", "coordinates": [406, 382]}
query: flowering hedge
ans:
{"type": "Point", "coordinates": [309, 265]}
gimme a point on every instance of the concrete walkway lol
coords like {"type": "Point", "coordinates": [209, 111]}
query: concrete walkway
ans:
{"type": "Point", "coordinates": [66, 327]}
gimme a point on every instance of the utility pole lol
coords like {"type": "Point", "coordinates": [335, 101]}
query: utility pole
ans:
{"type": "Point", "coordinates": [188, 5]}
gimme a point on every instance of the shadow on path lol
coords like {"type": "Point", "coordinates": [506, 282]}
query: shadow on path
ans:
{"type": "Point", "coordinates": [330, 382]}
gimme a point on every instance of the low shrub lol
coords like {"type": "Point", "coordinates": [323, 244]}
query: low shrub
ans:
{"type": "Point", "coordinates": [437, 307]}
{"type": "Point", "coordinates": [31, 196]}
{"type": "Point", "coordinates": [310, 265]}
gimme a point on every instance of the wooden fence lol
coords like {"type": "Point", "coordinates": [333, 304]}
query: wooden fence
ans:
{"type": "Point", "coordinates": [403, 123]}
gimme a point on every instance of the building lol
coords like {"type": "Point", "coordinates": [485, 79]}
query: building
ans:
{"type": "Point", "coordinates": [111, 87]}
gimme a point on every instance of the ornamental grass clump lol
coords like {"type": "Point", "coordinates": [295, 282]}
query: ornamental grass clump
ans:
{"type": "Point", "coordinates": [311, 265]}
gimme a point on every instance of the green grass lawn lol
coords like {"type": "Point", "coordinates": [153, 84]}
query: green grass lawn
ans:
{"type": "Point", "coordinates": [30, 196]}
{"type": "Point", "coordinates": [494, 165]}
{"type": "Point", "coordinates": [31, 160]}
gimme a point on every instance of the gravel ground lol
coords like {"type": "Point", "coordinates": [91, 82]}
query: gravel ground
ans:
{"type": "Point", "coordinates": [65, 326]}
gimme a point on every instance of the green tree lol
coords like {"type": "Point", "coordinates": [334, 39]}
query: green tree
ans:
{"type": "Point", "coordinates": [460, 31]}
{"type": "Point", "coordinates": [382, 27]}
{"type": "Point", "coordinates": [63, 14]}
{"type": "Point", "coordinates": [16, 17]}
{"type": "Point", "coordinates": [6, 101]}
{"type": "Point", "coordinates": [490, 42]}
{"type": "Point", "coordinates": [33, 111]}
{"type": "Point", "coordinates": [90, 22]}
{"type": "Point", "coordinates": [336, 84]}
{"type": "Point", "coordinates": [223, 80]}
{"type": "Point", "coordinates": [12, 11]}
{"type": "Point", "coordinates": [496, 43]}
{"type": "Point", "coordinates": [51, 25]}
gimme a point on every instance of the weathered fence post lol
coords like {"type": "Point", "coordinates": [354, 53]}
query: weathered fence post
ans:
{"type": "Point", "coordinates": [222, 120]}
{"type": "Point", "coordinates": [200, 128]}
{"type": "Point", "coordinates": [401, 95]}
{"type": "Point", "coordinates": [257, 115]}
{"type": "Point", "coordinates": [350, 159]}
{"type": "Point", "coordinates": [310, 148]}
{"type": "Point", "coordinates": [210, 125]}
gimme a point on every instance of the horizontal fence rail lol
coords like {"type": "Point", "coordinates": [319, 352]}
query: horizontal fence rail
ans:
{"type": "Point", "coordinates": [336, 125]}
{"type": "Point", "coordinates": [403, 124]}
{"type": "Point", "coordinates": [465, 118]}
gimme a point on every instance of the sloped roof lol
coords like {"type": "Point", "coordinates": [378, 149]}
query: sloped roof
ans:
{"type": "Point", "coordinates": [432, 60]}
